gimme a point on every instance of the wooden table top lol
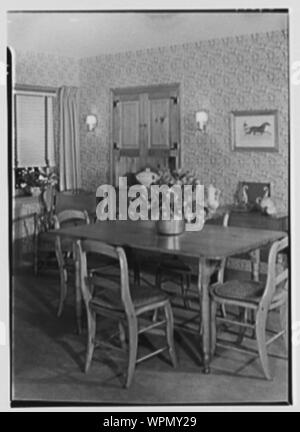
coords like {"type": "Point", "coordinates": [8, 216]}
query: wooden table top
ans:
{"type": "Point", "coordinates": [213, 242]}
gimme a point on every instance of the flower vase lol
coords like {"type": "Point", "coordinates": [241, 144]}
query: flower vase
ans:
{"type": "Point", "coordinates": [170, 227]}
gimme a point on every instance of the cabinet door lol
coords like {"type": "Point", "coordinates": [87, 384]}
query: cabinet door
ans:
{"type": "Point", "coordinates": [126, 134]}
{"type": "Point", "coordinates": [159, 123]}
{"type": "Point", "coordinates": [129, 125]}
{"type": "Point", "coordinates": [163, 121]}
{"type": "Point", "coordinates": [163, 118]}
{"type": "Point", "coordinates": [145, 129]}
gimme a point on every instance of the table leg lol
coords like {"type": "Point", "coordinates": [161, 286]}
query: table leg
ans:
{"type": "Point", "coordinates": [204, 273]}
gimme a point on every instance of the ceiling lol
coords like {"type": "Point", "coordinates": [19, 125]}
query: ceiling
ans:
{"type": "Point", "coordinates": [87, 34]}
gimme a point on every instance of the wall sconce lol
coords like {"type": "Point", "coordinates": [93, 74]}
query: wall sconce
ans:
{"type": "Point", "coordinates": [201, 120]}
{"type": "Point", "coordinates": [91, 121]}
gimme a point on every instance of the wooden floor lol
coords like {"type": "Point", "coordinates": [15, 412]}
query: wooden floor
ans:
{"type": "Point", "coordinates": [48, 358]}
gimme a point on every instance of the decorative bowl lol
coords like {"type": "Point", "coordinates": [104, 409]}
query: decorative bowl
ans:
{"type": "Point", "coordinates": [170, 227]}
{"type": "Point", "coordinates": [147, 177]}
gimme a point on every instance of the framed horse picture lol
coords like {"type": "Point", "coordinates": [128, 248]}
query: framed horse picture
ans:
{"type": "Point", "coordinates": [254, 130]}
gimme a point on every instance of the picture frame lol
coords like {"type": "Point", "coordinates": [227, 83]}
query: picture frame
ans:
{"type": "Point", "coordinates": [254, 130]}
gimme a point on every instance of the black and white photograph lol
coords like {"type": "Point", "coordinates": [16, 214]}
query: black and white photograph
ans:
{"type": "Point", "coordinates": [150, 207]}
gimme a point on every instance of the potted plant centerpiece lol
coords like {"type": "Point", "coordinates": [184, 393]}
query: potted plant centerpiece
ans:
{"type": "Point", "coordinates": [171, 197]}
{"type": "Point", "coordinates": [173, 222]}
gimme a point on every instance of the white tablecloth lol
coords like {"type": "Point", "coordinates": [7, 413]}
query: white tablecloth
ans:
{"type": "Point", "coordinates": [24, 209]}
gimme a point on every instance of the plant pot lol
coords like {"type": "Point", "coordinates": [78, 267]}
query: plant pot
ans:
{"type": "Point", "coordinates": [170, 227]}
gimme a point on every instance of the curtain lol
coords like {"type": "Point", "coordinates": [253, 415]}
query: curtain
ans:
{"type": "Point", "coordinates": [69, 151]}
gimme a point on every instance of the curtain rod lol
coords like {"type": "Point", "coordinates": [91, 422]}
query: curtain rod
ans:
{"type": "Point", "coordinates": [33, 88]}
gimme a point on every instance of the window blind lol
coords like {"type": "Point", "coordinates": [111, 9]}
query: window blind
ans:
{"type": "Point", "coordinates": [34, 130]}
{"type": "Point", "coordinates": [50, 132]}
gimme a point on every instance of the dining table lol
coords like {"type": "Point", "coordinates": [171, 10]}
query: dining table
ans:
{"type": "Point", "coordinates": [208, 246]}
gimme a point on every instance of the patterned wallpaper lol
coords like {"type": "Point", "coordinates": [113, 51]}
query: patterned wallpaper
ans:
{"type": "Point", "coordinates": [221, 75]}
{"type": "Point", "coordinates": [45, 69]}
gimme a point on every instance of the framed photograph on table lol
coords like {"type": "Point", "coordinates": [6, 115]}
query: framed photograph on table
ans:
{"type": "Point", "coordinates": [254, 130]}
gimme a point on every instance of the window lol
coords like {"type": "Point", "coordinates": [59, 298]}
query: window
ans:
{"type": "Point", "coordinates": [34, 137]}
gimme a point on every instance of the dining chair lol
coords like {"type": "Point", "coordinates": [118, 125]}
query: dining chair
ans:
{"type": "Point", "coordinates": [64, 249]}
{"type": "Point", "coordinates": [128, 304]}
{"type": "Point", "coordinates": [175, 270]}
{"type": "Point", "coordinates": [43, 242]}
{"type": "Point", "coordinates": [257, 297]}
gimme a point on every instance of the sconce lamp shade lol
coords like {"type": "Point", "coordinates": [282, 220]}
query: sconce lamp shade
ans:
{"type": "Point", "coordinates": [201, 120]}
{"type": "Point", "coordinates": [91, 121]}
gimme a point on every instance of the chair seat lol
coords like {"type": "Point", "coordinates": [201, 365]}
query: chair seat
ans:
{"type": "Point", "coordinates": [141, 296]}
{"type": "Point", "coordinates": [248, 291]}
{"type": "Point", "coordinates": [242, 290]}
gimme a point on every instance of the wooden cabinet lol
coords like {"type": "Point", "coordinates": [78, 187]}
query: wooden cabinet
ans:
{"type": "Point", "coordinates": [146, 129]}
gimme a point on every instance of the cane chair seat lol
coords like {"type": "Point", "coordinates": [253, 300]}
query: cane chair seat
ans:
{"type": "Point", "coordinates": [247, 291]}
{"type": "Point", "coordinates": [244, 291]}
{"type": "Point", "coordinates": [141, 296]}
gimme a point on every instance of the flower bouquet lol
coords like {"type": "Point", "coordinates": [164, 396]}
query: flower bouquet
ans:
{"type": "Point", "coordinates": [33, 180]}
{"type": "Point", "coordinates": [187, 209]}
